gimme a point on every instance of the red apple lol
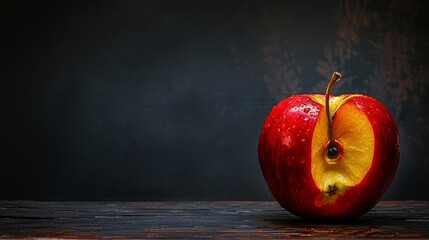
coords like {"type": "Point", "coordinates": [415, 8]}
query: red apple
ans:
{"type": "Point", "coordinates": [326, 157]}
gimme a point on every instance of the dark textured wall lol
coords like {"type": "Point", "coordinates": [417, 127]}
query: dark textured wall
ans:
{"type": "Point", "coordinates": [160, 100]}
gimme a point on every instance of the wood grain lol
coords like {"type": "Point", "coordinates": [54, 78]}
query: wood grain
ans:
{"type": "Point", "coordinates": [179, 220]}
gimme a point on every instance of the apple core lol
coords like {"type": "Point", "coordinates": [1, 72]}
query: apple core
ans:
{"type": "Point", "coordinates": [341, 156]}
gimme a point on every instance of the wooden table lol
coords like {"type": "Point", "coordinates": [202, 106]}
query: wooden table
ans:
{"type": "Point", "coordinates": [258, 220]}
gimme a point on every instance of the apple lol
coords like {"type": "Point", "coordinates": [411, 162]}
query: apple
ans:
{"type": "Point", "coordinates": [329, 157]}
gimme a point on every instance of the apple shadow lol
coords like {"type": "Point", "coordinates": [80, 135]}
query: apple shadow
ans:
{"type": "Point", "coordinates": [290, 220]}
{"type": "Point", "coordinates": [385, 221]}
{"type": "Point", "coordinates": [291, 226]}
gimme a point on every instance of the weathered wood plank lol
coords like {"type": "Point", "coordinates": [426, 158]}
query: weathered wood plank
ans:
{"type": "Point", "coordinates": [22, 219]}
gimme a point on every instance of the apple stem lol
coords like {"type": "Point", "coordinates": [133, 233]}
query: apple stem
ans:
{"type": "Point", "coordinates": [336, 76]}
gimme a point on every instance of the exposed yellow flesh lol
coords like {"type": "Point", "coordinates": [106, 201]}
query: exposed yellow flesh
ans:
{"type": "Point", "coordinates": [353, 130]}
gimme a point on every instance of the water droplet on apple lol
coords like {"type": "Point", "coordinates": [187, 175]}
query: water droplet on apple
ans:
{"type": "Point", "coordinates": [306, 110]}
{"type": "Point", "coordinates": [303, 140]}
{"type": "Point", "coordinates": [287, 141]}
{"type": "Point", "coordinates": [305, 119]}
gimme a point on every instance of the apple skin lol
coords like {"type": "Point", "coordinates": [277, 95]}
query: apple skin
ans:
{"type": "Point", "coordinates": [287, 169]}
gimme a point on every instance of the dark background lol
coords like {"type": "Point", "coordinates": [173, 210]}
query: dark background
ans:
{"type": "Point", "coordinates": [164, 100]}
